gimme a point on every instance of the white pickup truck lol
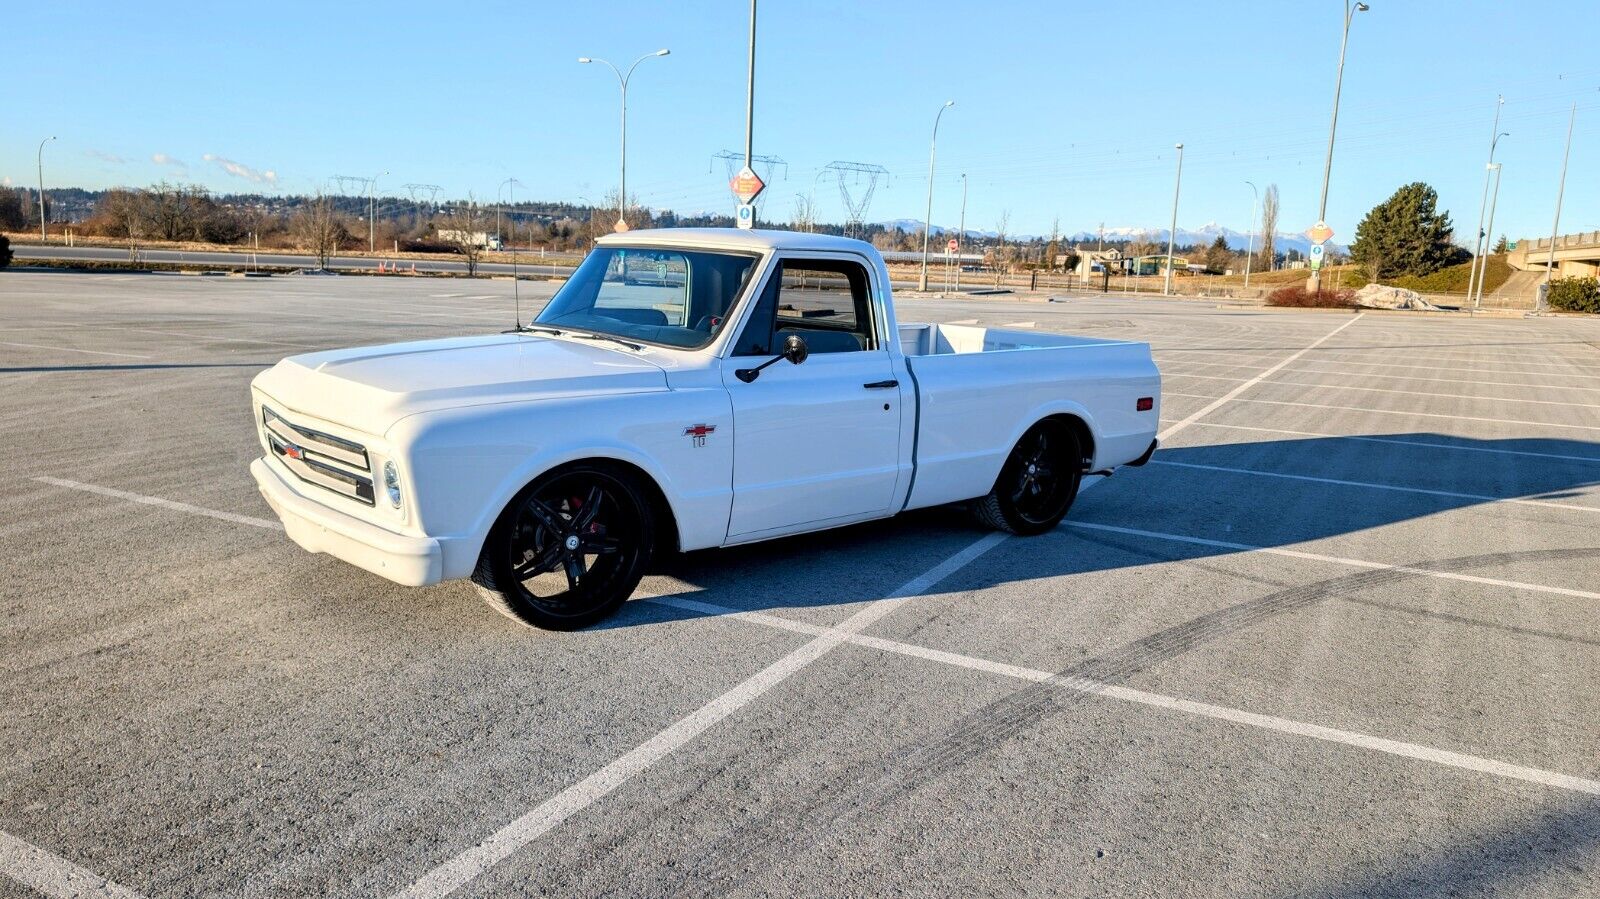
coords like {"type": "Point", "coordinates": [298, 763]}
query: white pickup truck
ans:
{"type": "Point", "coordinates": [683, 389]}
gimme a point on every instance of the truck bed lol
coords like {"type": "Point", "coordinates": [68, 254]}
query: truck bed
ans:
{"type": "Point", "coordinates": [976, 385]}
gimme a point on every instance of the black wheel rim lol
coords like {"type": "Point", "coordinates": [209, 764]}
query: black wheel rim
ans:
{"type": "Point", "coordinates": [1041, 479]}
{"type": "Point", "coordinates": [572, 539]}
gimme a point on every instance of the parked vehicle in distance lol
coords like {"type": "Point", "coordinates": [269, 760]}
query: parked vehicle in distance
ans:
{"type": "Point", "coordinates": [685, 389]}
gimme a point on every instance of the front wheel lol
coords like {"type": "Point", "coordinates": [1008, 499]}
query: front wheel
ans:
{"type": "Point", "coordinates": [569, 549]}
{"type": "Point", "coordinates": [1037, 484]}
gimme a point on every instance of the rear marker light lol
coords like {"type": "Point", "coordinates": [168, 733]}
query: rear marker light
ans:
{"type": "Point", "coordinates": [1145, 404]}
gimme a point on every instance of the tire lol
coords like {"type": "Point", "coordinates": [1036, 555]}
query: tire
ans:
{"type": "Point", "coordinates": [1037, 484]}
{"type": "Point", "coordinates": [569, 549]}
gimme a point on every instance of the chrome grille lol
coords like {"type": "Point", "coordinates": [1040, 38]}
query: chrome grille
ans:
{"type": "Point", "coordinates": [319, 458]}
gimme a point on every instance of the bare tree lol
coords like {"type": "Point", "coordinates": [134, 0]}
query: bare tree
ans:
{"type": "Point", "coordinates": [805, 213]}
{"type": "Point", "coordinates": [1269, 225]}
{"type": "Point", "coordinates": [1002, 254]}
{"type": "Point", "coordinates": [318, 227]}
{"type": "Point", "coordinates": [465, 229]}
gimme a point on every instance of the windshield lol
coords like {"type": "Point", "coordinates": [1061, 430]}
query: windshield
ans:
{"type": "Point", "coordinates": [678, 298]}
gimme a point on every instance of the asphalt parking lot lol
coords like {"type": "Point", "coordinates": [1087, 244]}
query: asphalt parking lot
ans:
{"type": "Point", "coordinates": [1341, 638]}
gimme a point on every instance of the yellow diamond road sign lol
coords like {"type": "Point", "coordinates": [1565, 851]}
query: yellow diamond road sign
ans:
{"type": "Point", "coordinates": [1319, 233]}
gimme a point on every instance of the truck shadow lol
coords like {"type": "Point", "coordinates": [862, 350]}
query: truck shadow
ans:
{"type": "Point", "coordinates": [1238, 496]}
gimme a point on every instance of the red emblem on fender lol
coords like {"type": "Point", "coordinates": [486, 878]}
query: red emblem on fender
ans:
{"type": "Point", "coordinates": [698, 433]}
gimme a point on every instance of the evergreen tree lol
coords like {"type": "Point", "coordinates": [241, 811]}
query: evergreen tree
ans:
{"type": "Point", "coordinates": [1406, 235]}
{"type": "Point", "coordinates": [1502, 245]}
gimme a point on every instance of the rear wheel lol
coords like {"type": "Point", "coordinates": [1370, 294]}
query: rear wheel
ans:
{"type": "Point", "coordinates": [1037, 484]}
{"type": "Point", "coordinates": [569, 549]}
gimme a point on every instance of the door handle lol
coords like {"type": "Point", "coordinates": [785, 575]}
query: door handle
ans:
{"type": "Point", "coordinates": [880, 385]}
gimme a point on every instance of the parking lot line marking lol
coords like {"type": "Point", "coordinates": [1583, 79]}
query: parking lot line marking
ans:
{"type": "Point", "coordinates": [1225, 398]}
{"type": "Point", "coordinates": [263, 523]}
{"type": "Point", "coordinates": [1371, 486]}
{"type": "Point", "coordinates": [1401, 748]}
{"type": "Point", "coordinates": [1420, 443]}
{"type": "Point", "coordinates": [68, 349]}
{"type": "Point", "coordinates": [1334, 560]}
{"type": "Point", "coordinates": [1457, 396]}
{"type": "Point", "coordinates": [1433, 368]}
{"type": "Point", "coordinates": [1503, 421]}
{"type": "Point", "coordinates": [457, 872]}
{"type": "Point", "coordinates": [1347, 374]}
{"type": "Point", "coordinates": [53, 875]}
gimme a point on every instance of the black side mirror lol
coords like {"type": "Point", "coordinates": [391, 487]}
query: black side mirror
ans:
{"type": "Point", "coordinates": [794, 349]}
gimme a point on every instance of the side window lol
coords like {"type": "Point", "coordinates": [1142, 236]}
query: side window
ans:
{"type": "Point", "coordinates": [827, 302]}
{"type": "Point", "coordinates": [756, 339]}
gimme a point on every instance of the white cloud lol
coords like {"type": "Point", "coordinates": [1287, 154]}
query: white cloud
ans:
{"type": "Point", "coordinates": [181, 167]}
{"type": "Point", "coordinates": [103, 156]}
{"type": "Point", "coordinates": [240, 170]}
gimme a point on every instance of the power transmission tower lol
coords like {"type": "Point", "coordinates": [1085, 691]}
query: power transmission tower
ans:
{"type": "Point", "coordinates": [416, 191]}
{"type": "Point", "coordinates": [864, 176]}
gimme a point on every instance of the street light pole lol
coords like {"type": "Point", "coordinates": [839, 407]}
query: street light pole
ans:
{"type": "Point", "coordinates": [1494, 199]}
{"type": "Point", "coordinates": [372, 211]}
{"type": "Point", "coordinates": [1250, 241]}
{"type": "Point", "coordinates": [1333, 127]}
{"type": "Point", "coordinates": [1561, 192]}
{"type": "Point", "coordinates": [1480, 262]}
{"type": "Point", "coordinates": [39, 158]}
{"type": "Point", "coordinates": [961, 236]}
{"type": "Point", "coordinates": [1483, 203]}
{"type": "Point", "coordinates": [1172, 233]}
{"type": "Point", "coordinates": [622, 80]}
{"type": "Point", "coordinates": [927, 219]}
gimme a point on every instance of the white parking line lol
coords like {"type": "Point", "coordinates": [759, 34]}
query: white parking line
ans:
{"type": "Point", "coordinates": [1323, 360]}
{"type": "Point", "coordinates": [1457, 396]}
{"type": "Point", "coordinates": [1371, 486]}
{"type": "Point", "coordinates": [1418, 443]}
{"type": "Point", "coordinates": [263, 523]}
{"type": "Point", "coordinates": [1351, 374]}
{"type": "Point", "coordinates": [1504, 421]}
{"type": "Point", "coordinates": [68, 349]}
{"type": "Point", "coordinates": [53, 875]}
{"type": "Point", "coordinates": [1335, 560]}
{"type": "Point", "coordinates": [457, 872]}
{"type": "Point", "coordinates": [1158, 700]}
{"type": "Point", "coordinates": [1234, 393]}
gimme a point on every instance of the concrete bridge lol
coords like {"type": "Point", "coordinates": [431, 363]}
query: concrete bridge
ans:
{"type": "Point", "coordinates": [1576, 255]}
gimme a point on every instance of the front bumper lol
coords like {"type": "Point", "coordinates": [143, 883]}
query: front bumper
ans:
{"type": "Point", "coordinates": [413, 561]}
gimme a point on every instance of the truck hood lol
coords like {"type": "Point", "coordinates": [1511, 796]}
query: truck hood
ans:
{"type": "Point", "coordinates": [370, 388]}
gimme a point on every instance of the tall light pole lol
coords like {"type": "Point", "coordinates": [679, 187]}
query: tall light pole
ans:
{"type": "Point", "coordinates": [622, 80]}
{"type": "Point", "coordinates": [1250, 241]}
{"type": "Point", "coordinates": [1494, 199]}
{"type": "Point", "coordinates": [372, 211]}
{"type": "Point", "coordinates": [1172, 233]}
{"type": "Point", "coordinates": [961, 235]}
{"type": "Point", "coordinates": [927, 219]}
{"type": "Point", "coordinates": [1483, 203]}
{"type": "Point", "coordinates": [1561, 192]}
{"type": "Point", "coordinates": [498, 193]}
{"type": "Point", "coordinates": [1315, 285]}
{"type": "Point", "coordinates": [39, 158]}
{"type": "Point", "coordinates": [1479, 263]}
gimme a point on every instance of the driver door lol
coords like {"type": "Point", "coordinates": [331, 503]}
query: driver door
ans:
{"type": "Point", "coordinates": [818, 443]}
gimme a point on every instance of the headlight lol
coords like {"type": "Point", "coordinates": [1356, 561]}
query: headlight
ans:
{"type": "Point", "coordinates": [391, 483]}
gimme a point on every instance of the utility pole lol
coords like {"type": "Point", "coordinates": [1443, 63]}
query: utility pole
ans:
{"type": "Point", "coordinates": [750, 104]}
{"type": "Point", "coordinates": [372, 209]}
{"type": "Point", "coordinates": [1250, 241]}
{"type": "Point", "coordinates": [1561, 192]}
{"type": "Point", "coordinates": [1172, 233]}
{"type": "Point", "coordinates": [961, 237]}
{"type": "Point", "coordinates": [39, 158]}
{"type": "Point", "coordinates": [927, 219]}
{"type": "Point", "coordinates": [1488, 171]}
{"type": "Point", "coordinates": [1315, 285]}
{"type": "Point", "coordinates": [1494, 199]}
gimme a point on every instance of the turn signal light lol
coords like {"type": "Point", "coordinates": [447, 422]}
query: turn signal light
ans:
{"type": "Point", "coordinates": [1145, 404]}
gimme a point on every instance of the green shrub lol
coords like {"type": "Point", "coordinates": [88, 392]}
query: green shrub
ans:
{"type": "Point", "coordinates": [5, 251]}
{"type": "Point", "coordinates": [1297, 295]}
{"type": "Point", "coordinates": [1575, 295]}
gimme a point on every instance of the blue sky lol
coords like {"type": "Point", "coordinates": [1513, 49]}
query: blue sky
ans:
{"type": "Point", "coordinates": [1062, 109]}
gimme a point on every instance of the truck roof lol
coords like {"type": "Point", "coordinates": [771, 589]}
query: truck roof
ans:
{"type": "Point", "coordinates": [758, 240]}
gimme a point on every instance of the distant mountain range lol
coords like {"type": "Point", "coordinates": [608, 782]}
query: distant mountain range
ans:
{"type": "Point", "coordinates": [1205, 235]}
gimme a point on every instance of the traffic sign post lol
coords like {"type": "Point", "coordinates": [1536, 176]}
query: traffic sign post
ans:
{"type": "Point", "coordinates": [746, 216]}
{"type": "Point", "coordinates": [1317, 251]}
{"type": "Point", "coordinates": [952, 246]}
{"type": "Point", "coordinates": [1319, 233]}
{"type": "Point", "coordinates": [747, 185]}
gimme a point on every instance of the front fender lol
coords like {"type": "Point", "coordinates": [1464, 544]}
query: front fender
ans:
{"type": "Point", "coordinates": [463, 466]}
